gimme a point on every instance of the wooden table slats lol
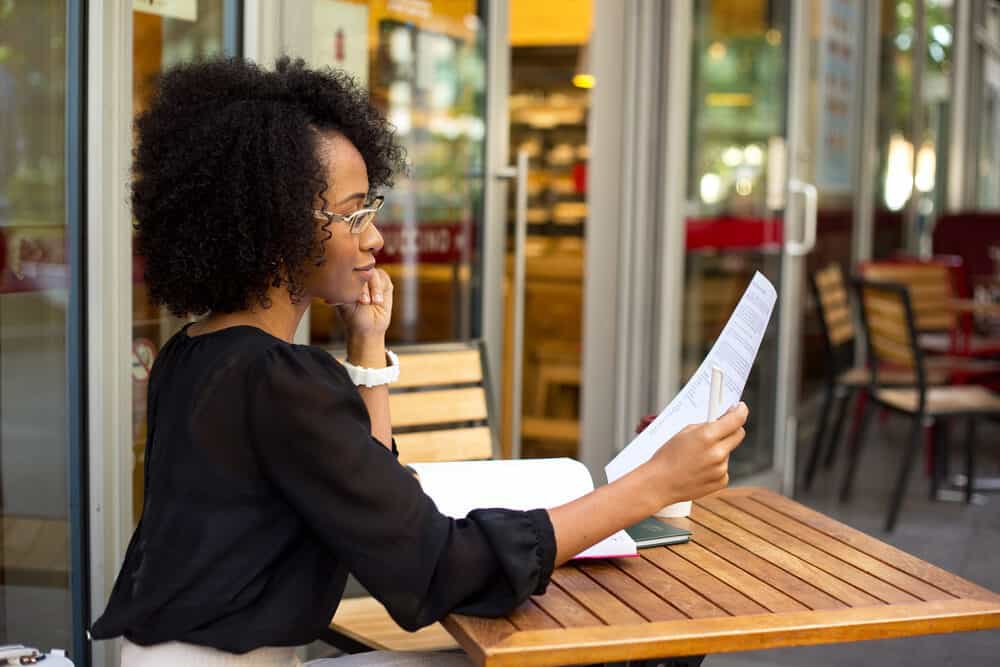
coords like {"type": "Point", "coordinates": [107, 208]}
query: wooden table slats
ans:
{"type": "Point", "coordinates": [639, 598]}
{"type": "Point", "coordinates": [719, 592]}
{"type": "Point", "coordinates": [760, 572]}
{"type": "Point", "coordinates": [782, 570]}
{"type": "Point", "coordinates": [748, 529]}
{"type": "Point", "coordinates": [529, 616]}
{"type": "Point", "coordinates": [848, 553]}
{"type": "Point", "coordinates": [669, 588]}
{"type": "Point", "coordinates": [763, 592]}
{"type": "Point", "coordinates": [934, 576]}
{"type": "Point", "coordinates": [598, 600]}
{"type": "Point", "coordinates": [566, 611]}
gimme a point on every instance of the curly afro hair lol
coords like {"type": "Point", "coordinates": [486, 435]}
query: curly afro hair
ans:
{"type": "Point", "coordinates": [226, 174]}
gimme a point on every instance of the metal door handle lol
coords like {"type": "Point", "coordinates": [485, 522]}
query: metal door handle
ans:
{"type": "Point", "coordinates": [808, 192]}
{"type": "Point", "coordinates": [519, 173]}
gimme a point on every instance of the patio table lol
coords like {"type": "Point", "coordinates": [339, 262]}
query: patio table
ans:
{"type": "Point", "coordinates": [975, 307]}
{"type": "Point", "coordinates": [761, 571]}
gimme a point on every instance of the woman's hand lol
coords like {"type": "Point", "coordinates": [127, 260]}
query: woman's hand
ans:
{"type": "Point", "coordinates": [695, 462]}
{"type": "Point", "coordinates": [690, 465]}
{"type": "Point", "coordinates": [368, 318]}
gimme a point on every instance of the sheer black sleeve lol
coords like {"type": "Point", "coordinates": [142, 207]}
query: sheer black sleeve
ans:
{"type": "Point", "coordinates": [313, 436]}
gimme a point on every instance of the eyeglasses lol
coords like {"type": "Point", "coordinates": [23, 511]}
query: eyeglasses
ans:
{"type": "Point", "coordinates": [358, 221]}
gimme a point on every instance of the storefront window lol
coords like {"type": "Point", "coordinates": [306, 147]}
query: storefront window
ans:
{"type": "Point", "coordinates": [549, 105]}
{"type": "Point", "coordinates": [35, 282]}
{"type": "Point", "coordinates": [736, 187]}
{"type": "Point", "coordinates": [912, 167]}
{"type": "Point", "coordinates": [987, 43]}
{"type": "Point", "coordinates": [163, 35]}
{"type": "Point", "coordinates": [423, 63]}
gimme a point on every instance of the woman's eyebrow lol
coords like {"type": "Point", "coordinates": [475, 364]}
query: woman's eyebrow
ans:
{"type": "Point", "coordinates": [357, 195]}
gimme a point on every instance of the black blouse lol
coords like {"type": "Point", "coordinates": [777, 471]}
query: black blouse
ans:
{"type": "Point", "coordinates": [265, 487]}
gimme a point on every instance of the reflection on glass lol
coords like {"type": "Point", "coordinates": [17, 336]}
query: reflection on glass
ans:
{"type": "Point", "coordinates": [737, 105]}
{"type": "Point", "coordinates": [159, 41]}
{"type": "Point", "coordinates": [912, 167]}
{"type": "Point", "coordinates": [35, 603]}
{"type": "Point", "coordinates": [548, 113]}
{"type": "Point", "coordinates": [426, 71]}
{"type": "Point", "coordinates": [736, 186]}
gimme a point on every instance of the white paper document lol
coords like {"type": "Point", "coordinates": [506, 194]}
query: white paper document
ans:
{"type": "Point", "coordinates": [458, 487]}
{"type": "Point", "coordinates": [734, 352]}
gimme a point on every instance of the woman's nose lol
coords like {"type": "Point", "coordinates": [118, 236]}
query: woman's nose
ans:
{"type": "Point", "coordinates": [371, 240]}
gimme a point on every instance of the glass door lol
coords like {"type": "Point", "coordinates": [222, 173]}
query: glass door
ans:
{"type": "Point", "coordinates": [41, 578]}
{"type": "Point", "coordinates": [163, 36]}
{"type": "Point", "coordinates": [772, 121]}
{"type": "Point", "coordinates": [424, 65]}
{"type": "Point", "coordinates": [548, 107]}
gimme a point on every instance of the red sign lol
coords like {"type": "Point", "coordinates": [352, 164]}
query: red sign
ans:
{"type": "Point", "coordinates": [431, 242]}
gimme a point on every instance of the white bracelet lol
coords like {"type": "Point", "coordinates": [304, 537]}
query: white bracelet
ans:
{"type": "Point", "coordinates": [373, 377]}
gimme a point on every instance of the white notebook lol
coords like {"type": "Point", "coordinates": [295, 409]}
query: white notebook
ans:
{"type": "Point", "coordinates": [459, 487]}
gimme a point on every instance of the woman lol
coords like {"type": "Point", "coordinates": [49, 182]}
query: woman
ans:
{"type": "Point", "coordinates": [270, 472]}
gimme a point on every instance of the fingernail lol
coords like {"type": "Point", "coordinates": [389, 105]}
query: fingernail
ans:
{"type": "Point", "coordinates": [378, 297]}
{"type": "Point", "coordinates": [364, 298]}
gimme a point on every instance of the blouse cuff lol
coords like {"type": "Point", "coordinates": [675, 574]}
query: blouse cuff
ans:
{"type": "Point", "coordinates": [525, 545]}
{"type": "Point", "coordinates": [545, 552]}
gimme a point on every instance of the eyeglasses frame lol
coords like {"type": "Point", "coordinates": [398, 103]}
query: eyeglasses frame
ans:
{"type": "Point", "coordinates": [371, 208]}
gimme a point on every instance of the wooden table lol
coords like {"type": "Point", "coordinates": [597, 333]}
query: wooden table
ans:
{"type": "Point", "coordinates": [975, 307]}
{"type": "Point", "coordinates": [761, 572]}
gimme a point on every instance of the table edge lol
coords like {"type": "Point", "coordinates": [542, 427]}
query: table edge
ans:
{"type": "Point", "coordinates": [723, 634]}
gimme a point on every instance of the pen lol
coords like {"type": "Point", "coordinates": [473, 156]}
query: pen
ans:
{"type": "Point", "coordinates": [715, 395]}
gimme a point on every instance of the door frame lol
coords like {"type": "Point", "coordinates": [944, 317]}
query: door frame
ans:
{"type": "Point", "coordinates": [109, 299]}
{"type": "Point", "coordinates": [495, 189]}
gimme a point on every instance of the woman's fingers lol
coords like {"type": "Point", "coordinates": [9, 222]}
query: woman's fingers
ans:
{"type": "Point", "coordinates": [375, 285]}
{"type": "Point", "coordinates": [377, 289]}
{"type": "Point", "coordinates": [728, 423]}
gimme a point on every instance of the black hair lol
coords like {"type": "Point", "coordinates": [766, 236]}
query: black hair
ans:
{"type": "Point", "coordinates": [226, 174]}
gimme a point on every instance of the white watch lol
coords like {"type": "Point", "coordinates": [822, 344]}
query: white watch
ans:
{"type": "Point", "coordinates": [373, 377]}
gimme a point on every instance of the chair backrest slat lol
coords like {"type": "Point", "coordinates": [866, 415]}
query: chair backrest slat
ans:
{"type": "Point", "coordinates": [834, 306]}
{"type": "Point", "coordinates": [888, 318]}
{"type": "Point", "coordinates": [929, 285]}
{"type": "Point", "coordinates": [440, 406]}
{"type": "Point", "coordinates": [427, 369]}
{"type": "Point", "coordinates": [453, 444]}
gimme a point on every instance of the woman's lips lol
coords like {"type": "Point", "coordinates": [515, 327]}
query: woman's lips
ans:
{"type": "Point", "coordinates": [366, 271]}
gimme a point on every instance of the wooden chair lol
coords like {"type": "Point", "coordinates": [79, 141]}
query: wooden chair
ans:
{"type": "Point", "coordinates": [842, 379]}
{"type": "Point", "coordinates": [845, 379]}
{"type": "Point", "coordinates": [440, 411]}
{"type": "Point", "coordinates": [933, 285]}
{"type": "Point", "coordinates": [890, 325]}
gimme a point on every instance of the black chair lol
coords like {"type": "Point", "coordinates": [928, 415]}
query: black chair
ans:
{"type": "Point", "coordinates": [892, 340]}
{"type": "Point", "coordinates": [844, 379]}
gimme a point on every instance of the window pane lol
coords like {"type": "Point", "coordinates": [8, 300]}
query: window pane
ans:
{"type": "Point", "coordinates": [160, 41]}
{"type": "Point", "coordinates": [736, 189]}
{"type": "Point", "coordinates": [426, 71]}
{"type": "Point", "coordinates": [35, 603]}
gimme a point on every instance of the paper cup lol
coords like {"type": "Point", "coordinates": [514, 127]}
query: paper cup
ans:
{"type": "Point", "coordinates": [676, 511]}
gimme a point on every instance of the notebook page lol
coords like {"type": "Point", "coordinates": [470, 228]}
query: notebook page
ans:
{"type": "Point", "coordinates": [734, 352]}
{"type": "Point", "coordinates": [458, 487]}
